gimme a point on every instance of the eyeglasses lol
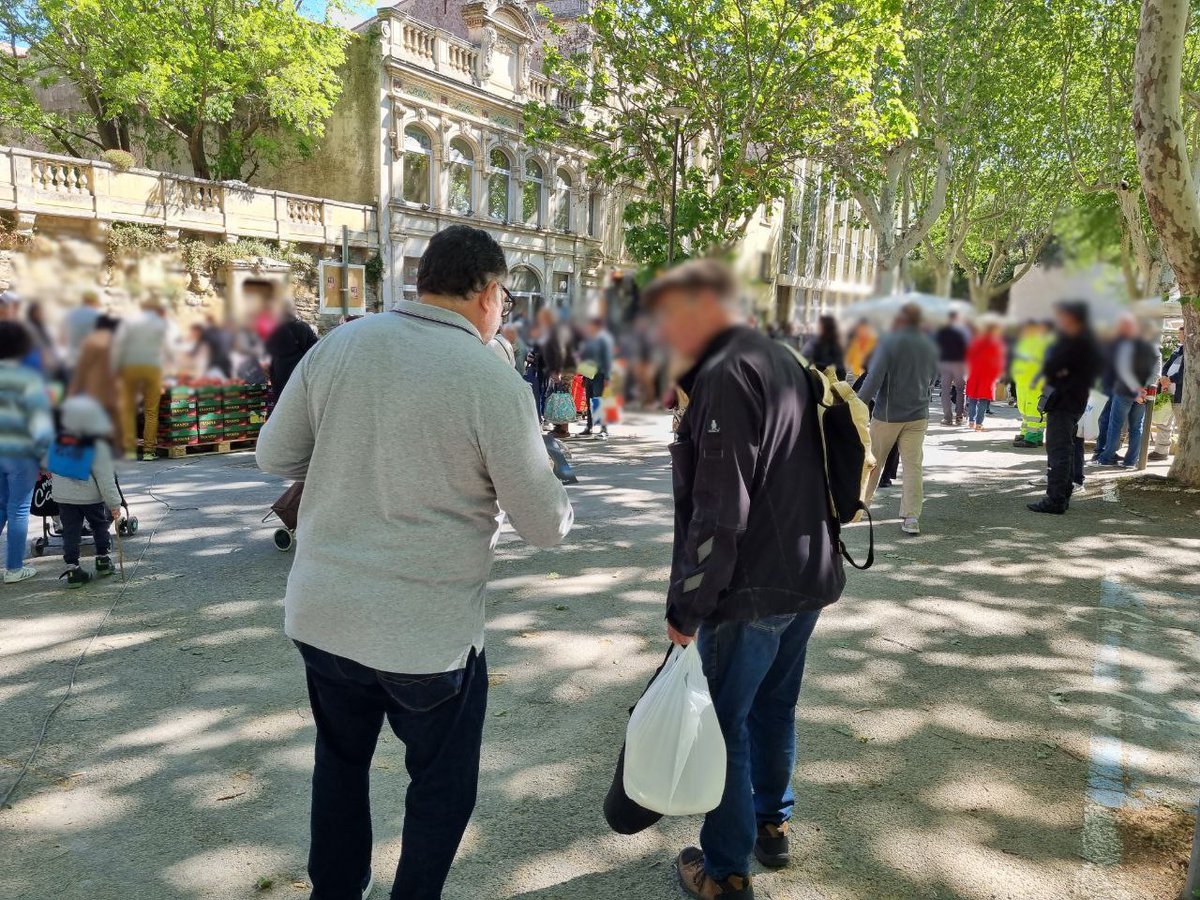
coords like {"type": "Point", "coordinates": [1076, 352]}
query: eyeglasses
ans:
{"type": "Point", "coordinates": [509, 302]}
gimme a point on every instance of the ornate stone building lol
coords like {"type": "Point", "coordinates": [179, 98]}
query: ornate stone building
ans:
{"type": "Point", "coordinates": [447, 83]}
{"type": "Point", "coordinates": [429, 128]}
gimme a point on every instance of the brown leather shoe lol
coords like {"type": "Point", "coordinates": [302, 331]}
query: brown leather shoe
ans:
{"type": "Point", "coordinates": [698, 883]}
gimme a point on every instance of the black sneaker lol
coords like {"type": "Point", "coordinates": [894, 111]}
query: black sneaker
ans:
{"type": "Point", "coordinates": [1045, 505]}
{"type": "Point", "coordinates": [104, 567]}
{"type": "Point", "coordinates": [76, 577]}
{"type": "Point", "coordinates": [771, 845]}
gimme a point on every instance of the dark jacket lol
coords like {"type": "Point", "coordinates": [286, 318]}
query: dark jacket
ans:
{"type": "Point", "coordinates": [1143, 359]}
{"type": "Point", "coordinates": [753, 532]}
{"type": "Point", "coordinates": [952, 343]}
{"type": "Point", "coordinates": [287, 345]}
{"type": "Point", "coordinates": [1070, 369]}
{"type": "Point", "coordinates": [824, 353]}
{"type": "Point", "coordinates": [1177, 378]}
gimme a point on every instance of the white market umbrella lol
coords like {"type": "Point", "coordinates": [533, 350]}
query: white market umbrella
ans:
{"type": "Point", "coordinates": [880, 311]}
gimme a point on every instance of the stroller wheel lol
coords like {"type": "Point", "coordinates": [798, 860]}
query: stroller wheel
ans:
{"type": "Point", "coordinates": [122, 526]}
{"type": "Point", "coordinates": [39, 547]}
{"type": "Point", "coordinates": [284, 540]}
{"type": "Point", "coordinates": [131, 525]}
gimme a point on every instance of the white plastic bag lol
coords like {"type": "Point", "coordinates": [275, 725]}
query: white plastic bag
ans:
{"type": "Point", "coordinates": [674, 749]}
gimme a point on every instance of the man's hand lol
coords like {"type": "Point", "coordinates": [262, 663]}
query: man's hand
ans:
{"type": "Point", "coordinates": [1142, 395]}
{"type": "Point", "coordinates": [116, 513]}
{"type": "Point", "coordinates": [678, 637]}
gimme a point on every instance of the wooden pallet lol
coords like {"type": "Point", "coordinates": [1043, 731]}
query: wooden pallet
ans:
{"type": "Point", "coordinates": [204, 448]}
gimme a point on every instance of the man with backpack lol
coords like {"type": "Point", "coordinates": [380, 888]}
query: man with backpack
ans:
{"type": "Point", "coordinates": [756, 557]}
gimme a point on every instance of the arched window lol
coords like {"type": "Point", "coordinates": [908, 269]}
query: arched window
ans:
{"type": "Point", "coordinates": [418, 171]}
{"type": "Point", "coordinates": [461, 163]}
{"type": "Point", "coordinates": [531, 195]}
{"type": "Point", "coordinates": [562, 200]}
{"type": "Point", "coordinates": [498, 182]}
{"type": "Point", "coordinates": [526, 287]}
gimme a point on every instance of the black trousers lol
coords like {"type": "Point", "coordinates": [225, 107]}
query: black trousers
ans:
{"type": "Point", "coordinates": [1061, 450]}
{"type": "Point", "coordinates": [439, 717]}
{"type": "Point", "coordinates": [594, 387]}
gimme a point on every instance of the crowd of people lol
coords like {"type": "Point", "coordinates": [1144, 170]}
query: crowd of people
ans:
{"type": "Point", "coordinates": [72, 393]}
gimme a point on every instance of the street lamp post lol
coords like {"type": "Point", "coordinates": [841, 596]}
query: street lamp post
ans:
{"type": "Point", "coordinates": [676, 113]}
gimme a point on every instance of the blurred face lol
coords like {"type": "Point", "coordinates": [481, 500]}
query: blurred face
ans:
{"type": "Point", "coordinates": [1127, 327]}
{"type": "Point", "coordinates": [1067, 323]}
{"type": "Point", "coordinates": [687, 320]}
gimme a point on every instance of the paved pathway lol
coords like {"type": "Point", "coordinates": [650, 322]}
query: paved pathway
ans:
{"type": "Point", "coordinates": [982, 707]}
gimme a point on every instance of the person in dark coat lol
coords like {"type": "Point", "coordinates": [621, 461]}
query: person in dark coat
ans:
{"type": "Point", "coordinates": [1073, 363]}
{"type": "Point", "coordinates": [286, 345]}
{"type": "Point", "coordinates": [755, 558]}
{"type": "Point", "coordinates": [825, 350]}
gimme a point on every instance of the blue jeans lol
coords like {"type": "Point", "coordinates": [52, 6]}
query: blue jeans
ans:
{"type": "Point", "coordinates": [754, 671]}
{"type": "Point", "coordinates": [18, 475]}
{"type": "Point", "coordinates": [976, 410]}
{"type": "Point", "coordinates": [439, 718]}
{"type": "Point", "coordinates": [1122, 410]}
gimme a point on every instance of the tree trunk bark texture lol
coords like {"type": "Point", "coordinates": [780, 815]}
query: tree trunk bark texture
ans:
{"type": "Point", "coordinates": [1171, 192]}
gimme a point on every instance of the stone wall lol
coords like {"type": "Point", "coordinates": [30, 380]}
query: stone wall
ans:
{"type": "Point", "coordinates": [55, 266]}
{"type": "Point", "coordinates": [344, 164]}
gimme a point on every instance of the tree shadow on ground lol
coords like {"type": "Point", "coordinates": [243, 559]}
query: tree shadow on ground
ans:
{"type": "Point", "coordinates": [945, 725]}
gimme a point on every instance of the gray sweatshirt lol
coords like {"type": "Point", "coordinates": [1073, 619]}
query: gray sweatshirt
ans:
{"type": "Point", "coordinates": [900, 376]}
{"type": "Point", "coordinates": [411, 436]}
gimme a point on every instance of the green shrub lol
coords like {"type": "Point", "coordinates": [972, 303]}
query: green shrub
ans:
{"type": "Point", "coordinates": [118, 159]}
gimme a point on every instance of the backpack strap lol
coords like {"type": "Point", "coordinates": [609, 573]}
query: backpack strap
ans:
{"type": "Point", "coordinates": [870, 547]}
{"type": "Point", "coordinates": [820, 392]}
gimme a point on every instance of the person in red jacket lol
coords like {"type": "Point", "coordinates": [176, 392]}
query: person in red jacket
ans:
{"type": "Point", "coordinates": [985, 365]}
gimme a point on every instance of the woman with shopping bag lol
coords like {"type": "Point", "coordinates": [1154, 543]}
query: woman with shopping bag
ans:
{"type": "Point", "coordinates": [749, 577]}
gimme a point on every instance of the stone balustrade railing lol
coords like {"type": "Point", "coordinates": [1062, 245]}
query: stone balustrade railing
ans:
{"type": "Point", "coordinates": [38, 186]}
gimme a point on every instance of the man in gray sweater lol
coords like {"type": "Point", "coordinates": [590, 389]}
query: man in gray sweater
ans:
{"type": "Point", "coordinates": [411, 436]}
{"type": "Point", "coordinates": [900, 382]}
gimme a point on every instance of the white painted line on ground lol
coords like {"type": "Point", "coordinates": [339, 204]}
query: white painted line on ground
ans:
{"type": "Point", "coordinates": [1108, 787]}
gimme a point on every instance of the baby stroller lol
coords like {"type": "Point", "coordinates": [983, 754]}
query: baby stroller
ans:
{"type": "Point", "coordinates": [286, 508]}
{"type": "Point", "coordinates": [43, 505]}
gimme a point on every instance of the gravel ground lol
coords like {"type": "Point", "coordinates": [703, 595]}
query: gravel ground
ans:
{"type": "Point", "coordinates": [985, 709]}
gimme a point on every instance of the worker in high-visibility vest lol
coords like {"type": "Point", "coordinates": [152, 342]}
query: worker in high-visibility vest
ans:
{"type": "Point", "coordinates": [1028, 358]}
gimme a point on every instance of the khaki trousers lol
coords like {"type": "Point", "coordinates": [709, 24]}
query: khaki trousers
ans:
{"type": "Point", "coordinates": [911, 438]}
{"type": "Point", "coordinates": [1165, 430]}
{"type": "Point", "coordinates": [141, 383]}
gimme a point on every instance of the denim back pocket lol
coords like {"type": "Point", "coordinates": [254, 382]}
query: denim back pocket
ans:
{"type": "Point", "coordinates": [773, 624]}
{"type": "Point", "coordinates": [421, 693]}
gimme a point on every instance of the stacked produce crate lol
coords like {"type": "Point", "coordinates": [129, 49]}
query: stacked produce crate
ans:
{"type": "Point", "coordinates": [244, 411]}
{"type": "Point", "coordinates": [177, 425]}
{"type": "Point", "coordinates": [210, 417]}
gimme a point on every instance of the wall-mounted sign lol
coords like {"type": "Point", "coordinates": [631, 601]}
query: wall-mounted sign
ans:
{"type": "Point", "coordinates": [333, 302]}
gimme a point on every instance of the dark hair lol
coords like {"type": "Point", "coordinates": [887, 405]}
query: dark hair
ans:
{"type": "Point", "coordinates": [15, 340]}
{"type": "Point", "coordinates": [107, 323]}
{"type": "Point", "coordinates": [692, 276]}
{"type": "Point", "coordinates": [459, 261]}
{"type": "Point", "coordinates": [829, 329]}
